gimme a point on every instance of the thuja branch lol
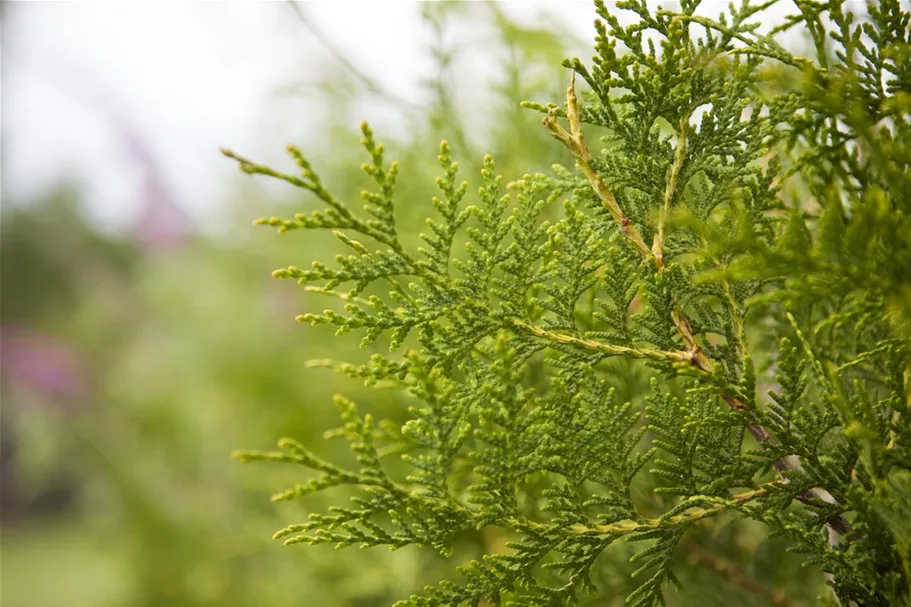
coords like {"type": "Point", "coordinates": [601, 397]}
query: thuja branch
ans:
{"type": "Point", "coordinates": [498, 436]}
{"type": "Point", "coordinates": [693, 510]}
{"type": "Point", "coordinates": [575, 143]}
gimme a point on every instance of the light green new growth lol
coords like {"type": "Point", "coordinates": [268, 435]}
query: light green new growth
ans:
{"type": "Point", "coordinates": [743, 239]}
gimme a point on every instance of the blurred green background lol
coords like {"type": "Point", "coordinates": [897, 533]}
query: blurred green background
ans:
{"type": "Point", "coordinates": [135, 360]}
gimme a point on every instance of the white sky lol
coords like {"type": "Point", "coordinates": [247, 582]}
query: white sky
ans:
{"type": "Point", "coordinates": [188, 78]}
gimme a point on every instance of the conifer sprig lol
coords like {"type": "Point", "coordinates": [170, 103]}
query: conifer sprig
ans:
{"type": "Point", "coordinates": [735, 259]}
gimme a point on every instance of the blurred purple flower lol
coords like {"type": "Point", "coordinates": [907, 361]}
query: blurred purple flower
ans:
{"type": "Point", "coordinates": [43, 364]}
{"type": "Point", "coordinates": [162, 224]}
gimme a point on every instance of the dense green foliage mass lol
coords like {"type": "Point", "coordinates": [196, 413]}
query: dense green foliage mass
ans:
{"type": "Point", "coordinates": [715, 326]}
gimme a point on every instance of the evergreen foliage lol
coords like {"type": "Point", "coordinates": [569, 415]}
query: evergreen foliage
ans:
{"type": "Point", "coordinates": [743, 240]}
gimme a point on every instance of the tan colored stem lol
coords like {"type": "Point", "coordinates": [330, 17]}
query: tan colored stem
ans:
{"type": "Point", "coordinates": [670, 190]}
{"type": "Point", "coordinates": [574, 140]}
{"type": "Point", "coordinates": [627, 527]}
{"type": "Point", "coordinates": [589, 344]}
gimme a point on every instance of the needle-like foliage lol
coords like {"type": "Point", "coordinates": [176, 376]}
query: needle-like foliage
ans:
{"type": "Point", "coordinates": [742, 242]}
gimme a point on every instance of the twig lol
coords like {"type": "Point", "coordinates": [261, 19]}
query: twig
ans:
{"type": "Point", "coordinates": [576, 144]}
{"type": "Point", "coordinates": [687, 517]}
{"type": "Point", "coordinates": [734, 575]}
{"type": "Point", "coordinates": [367, 82]}
{"type": "Point", "coordinates": [679, 157]}
{"type": "Point", "coordinates": [589, 344]}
